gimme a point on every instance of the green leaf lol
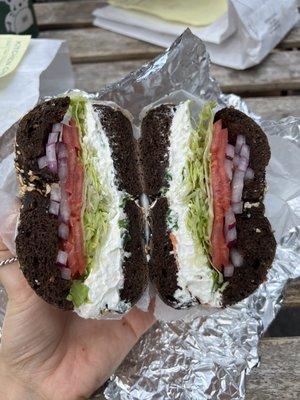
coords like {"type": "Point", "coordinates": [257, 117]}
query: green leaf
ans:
{"type": "Point", "coordinates": [196, 177]}
{"type": "Point", "coordinates": [78, 293]}
{"type": "Point", "coordinates": [97, 200]}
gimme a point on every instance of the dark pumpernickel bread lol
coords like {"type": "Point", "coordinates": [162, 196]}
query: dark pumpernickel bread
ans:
{"type": "Point", "coordinates": [134, 267]}
{"type": "Point", "coordinates": [37, 248]}
{"type": "Point", "coordinates": [257, 245]}
{"type": "Point", "coordinates": [255, 240]}
{"type": "Point", "coordinates": [31, 139]}
{"type": "Point", "coordinates": [154, 143]}
{"type": "Point", "coordinates": [123, 146]}
{"type": "Point", "coordinates": [162, 264]}
{"type": "Point", "coordinates": [239, 123]}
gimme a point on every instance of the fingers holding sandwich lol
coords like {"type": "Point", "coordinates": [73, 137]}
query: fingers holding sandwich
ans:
{"type": "Point", "coordinates": [11, 277]}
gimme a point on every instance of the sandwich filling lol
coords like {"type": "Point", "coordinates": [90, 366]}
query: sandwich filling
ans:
{"type": "Point", "coordinates": [90, 210]}
{"type": "Point", "coordinates": [205, 184]}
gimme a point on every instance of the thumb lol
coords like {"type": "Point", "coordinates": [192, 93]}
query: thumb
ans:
{"type": "Point", "coordinates": [11, 276]}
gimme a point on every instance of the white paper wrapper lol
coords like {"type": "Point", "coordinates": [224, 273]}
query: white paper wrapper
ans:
{"type": "Point", "coordinates": [239, 39]}
{"type": "Point", "coordinates": [208, 357]}
{"type": "Point", "coordinates": [44, 70]}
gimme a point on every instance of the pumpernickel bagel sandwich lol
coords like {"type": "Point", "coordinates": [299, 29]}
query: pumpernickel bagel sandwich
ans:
{"type": "Point", "coordinates": [80, 234]}
{"type": "Point", "coordinates": [211, 243]}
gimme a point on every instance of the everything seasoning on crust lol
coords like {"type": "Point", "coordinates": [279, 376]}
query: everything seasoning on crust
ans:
{"type": "Point", "coordinates": [80, 235]}
{"type": "Point", "coordinates": [211, 243]}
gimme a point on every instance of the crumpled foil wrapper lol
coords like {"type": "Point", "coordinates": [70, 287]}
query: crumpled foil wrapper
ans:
{"type": "Point", "coordinates": [209, 357]}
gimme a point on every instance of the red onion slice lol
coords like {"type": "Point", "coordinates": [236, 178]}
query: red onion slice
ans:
{"type": "Point", "coordinates": [42, 162]}
{"type": "Point", "coordinates": [63, 231]}
{"type": "Point", "coordinates": [66, 119]}
{"type": "Point", "coordinates": [230, 151]}
{"type": "Point", "coordinates": [65, 273]}
{"type": "Point", "coordinates": [64, 210]}
{"type": "Point", "coordinates": [62, 150]}
{"type": "Point", "coordinates": [62, 257]}
{"type": "Point", "coordinates": [63, 170]}
{"type": "Point", "coordinates": [245, 151]}
{"type": "Point", "coordinates": [51, 157]}
{"type": "Point", "coordinates": [237, 208]}
{"type": "Point", "coordinates": [249, 173]}
{"type": "Point", "coordinates": [236, 258]}
{"type": "Point", "coordinates": [228, 270]}
{"type": "Point", "coordinates": [55, 193]}
{"type": "Point", "coordinates": [228, 168]}
{"type": "Point", "coordinates": [230, 220]}
{"type": "Point", "coordinates": [242, 163]}
{"type": "Point", "coordinates": [237, 186]}
{"type": "Point", "coordinates": [236, 160]}
{"type": "Point", "coordinates": [53, 137]}
{"type": "Point", "coordinates": [54, 207]}
{"type": "Point", "coordinates": [240, 140]}
{"type": "Point", "coordinates": [56, 128]}
{"type": "Point", "coordinates": [231, 236]}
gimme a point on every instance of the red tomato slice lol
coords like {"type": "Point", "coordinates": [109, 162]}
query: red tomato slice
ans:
{"type": "Point", "coordinates": [74, 188]}
{"type": "Point", "coordinates": [221, 195]}
{"type": "Point", "coordinates": [70, 135]}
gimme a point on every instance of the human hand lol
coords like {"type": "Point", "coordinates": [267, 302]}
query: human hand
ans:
{"type": "Point", "coordinates": [49, 354]}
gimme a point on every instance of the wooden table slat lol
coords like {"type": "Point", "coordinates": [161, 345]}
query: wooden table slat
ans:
{"type": "Point", "coordinates": [97, 45]}
{"type": "Point", "coordinates": [278, 376]}
{"type": "Point", "coordinates": [78, 14]}
{"type": "Point", "coordinates": [275, 107]}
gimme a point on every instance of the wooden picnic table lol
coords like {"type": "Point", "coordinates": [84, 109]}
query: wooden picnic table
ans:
{"type": "Point", "coordinates": [100, 57]}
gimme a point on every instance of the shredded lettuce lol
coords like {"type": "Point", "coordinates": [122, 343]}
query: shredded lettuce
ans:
{"type": "Point", "coordinates": [96, 207]}
{"type": "Point", "coordinates": [197, 180]}
{"type": "Point", "coordinates": [78, 293]}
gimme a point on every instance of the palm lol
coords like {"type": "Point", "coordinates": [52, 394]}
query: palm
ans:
{"type": "Point", "coordinates": [57, 353]}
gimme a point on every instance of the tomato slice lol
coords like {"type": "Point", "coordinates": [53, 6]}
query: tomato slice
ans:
{"type": "Point", "coordinates": [173, 241]}
{"type": "Point", "coordinates": [221, 195]}
{"type": "Point", "coordinates": [74, 189]}
{"type": "Point", "coordinates": [70, 135]}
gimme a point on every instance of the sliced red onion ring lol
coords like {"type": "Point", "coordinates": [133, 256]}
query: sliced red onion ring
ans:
{"type": "Point", "coordinates": [236, 258]}
{"type": "Point", "coordinates": [242, 163]}
{"type": "Point", "coordinates": [65, 273]}
{"type": "Point", "coordinates": [64, 210]}
{"type": "Point", "coordinates": [228, 168]}
{"type": "Point", "coordinates": [62, 150]}
{"type": "Point", "coordinates": [245, 151]}
{"type": "Point", "coordinates": [240, 140]}
{"type": "Point", "coordinates": [230, 151]}
{"type": "Point", "coordinates": [237, 208]}
{"type": "Point", "coordinates": [56, 127]}
{"type": "Point", "coordinates": [54, 207]}
{"type": "Point", "coordinates": [62, 257]}
{"type": "Point", "coordinates": [42, 162]}
{"type": "Point", "coordinates": [249, 173]}
{"type": "Point", "coordinates": [53, 137]}
{"type": "Point", "coordinates": [228, 270]}
{"type": "Point", "coordinates": [55, 193]}
{"type": "Point", "coordinates": [51, 157]}
{"type": "Point", "coordinates": [63, 231]}
{"type": "Point", "coordinates": [66, 119]}
{"type": "Point", "coordinates": [231, 236]}
{"type": "Point", "coordinates": [230, 220]}
{"type": "Point", "coordinates": [63, 170]}
{"type": "Point", "coordinates": [237, 186]}
{"type": "Point", "coordinates": [236, 160]}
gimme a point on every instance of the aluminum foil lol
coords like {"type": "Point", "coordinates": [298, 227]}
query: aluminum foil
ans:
{"type": "Point", "coordinates": [208, 357]}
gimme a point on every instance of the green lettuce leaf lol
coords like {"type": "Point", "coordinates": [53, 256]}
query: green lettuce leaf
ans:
{"type": "Point", "coordinates": [96, 208]}
{"type": "Point", "coordinates": [78, 293]}
{"type": "Point", "coordinates": [197, 180]}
